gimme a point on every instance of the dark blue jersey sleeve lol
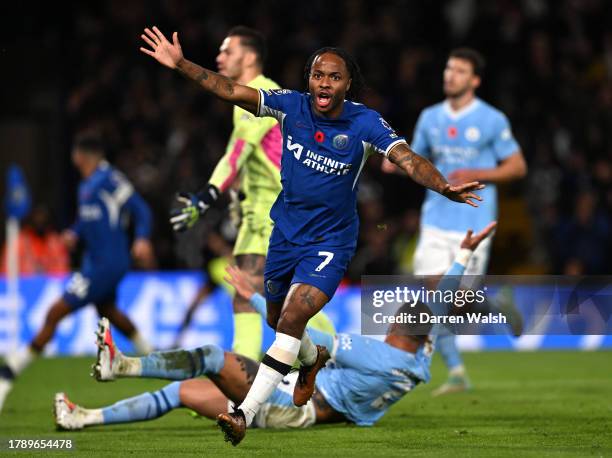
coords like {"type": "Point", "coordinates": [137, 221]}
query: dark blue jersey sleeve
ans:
{"type": "Point", "coordinates": [382, 138]}
{"type": "Point", "coordinates": [276, 103]}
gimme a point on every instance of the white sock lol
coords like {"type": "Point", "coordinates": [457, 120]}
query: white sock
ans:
{"type": "Point", "coordinates": [128, 366]}
{"type": "Point", "coordinates": [458, 371]}
{"type": "Point", "coordinates": [92, 416]}
{"type": "Point", "coordinates": [308, 351]}
{"type": "Point", "coordinates": [19, 360]}
{"type": "Point", "coordinates": [274, 366]}
{"type": "Point", "coordinates": [141, 345]}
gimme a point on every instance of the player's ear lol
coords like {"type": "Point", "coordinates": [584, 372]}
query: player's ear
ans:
{"type": "Point", "coordinates": [348, 85]}
{"type": "Point", "coordinates": [476, 81]}
{"type": "Point", "coordinates": [250, 59]}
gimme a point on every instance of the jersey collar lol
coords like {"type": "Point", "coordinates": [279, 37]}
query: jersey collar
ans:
{"type": "Point", "coordinates": [456, 115]}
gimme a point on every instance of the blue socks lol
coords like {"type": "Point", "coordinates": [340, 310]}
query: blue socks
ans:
{"type": "Point", "coordinates": [183, 364]}
{"type": "Point", "coordinates": [446, 345]}
{"type": "Point", "coordinates": [146, 406]}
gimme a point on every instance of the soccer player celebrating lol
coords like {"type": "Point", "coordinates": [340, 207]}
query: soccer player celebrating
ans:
{"type": "Point", "coordinates": [468, 140]}
{"type": "Point", "coordinates": [252, 156]}
{"type": "Point", "coordinates": [106, 201]}
{"type": "Point", "coordinates": [326, 141]}
{"type": "Point", "coordinates": [368, 376]}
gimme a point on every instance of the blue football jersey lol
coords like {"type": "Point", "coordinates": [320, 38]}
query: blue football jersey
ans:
{"type": "Point", "coordinates": [107, 200]}
{"type": "Point", "coordinates": [478, 137]}
{"type": "Point", "coordinates": [320, 166]}
{"type": "Point", "coordinates": [369, 376]}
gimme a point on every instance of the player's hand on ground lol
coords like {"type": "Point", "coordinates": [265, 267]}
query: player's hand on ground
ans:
{"type": "Point", "coordinates": [464, 176]}
{"type": "Point", "coordinates": [166, 53]}
{"type": "Point", "coordinates": [70, 239]}
{"type": "Point", "coordinates": [464, 193]}
{"type": "Point", "coordinates": [238, 279]}
{"type": "Point", "coordinates": [142, 251]}
{"type": "Point", "coordinates": [472, 241]}
{"type": "Point", "coordinates": [187, 214]}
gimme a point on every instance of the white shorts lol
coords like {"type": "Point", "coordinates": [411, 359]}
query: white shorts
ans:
{"type": "Point", "coordinates": [280, 412]}
{"type": "Point", "coordinates": [437, 248]}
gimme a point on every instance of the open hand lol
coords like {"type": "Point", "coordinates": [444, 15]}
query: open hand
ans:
{"type": "Point", "coordinates": [472, 241]}
{"type": "Point", "coordinates": [166, 53]}
{"type": "Point", "coordinates": [238, 279]}
{"type": "Point", "coordinates": [463, 192]}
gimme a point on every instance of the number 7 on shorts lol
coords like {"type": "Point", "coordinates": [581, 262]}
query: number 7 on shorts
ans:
{"type": "Point", "coordinates": [328, 257]}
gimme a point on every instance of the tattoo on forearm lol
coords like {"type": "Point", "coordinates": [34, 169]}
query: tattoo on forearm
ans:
{"type": "Point", "coordinates": [419, 169]}
{"type": "Point", "coordinates": [209, 80]}
{"type": "Point", "coordinates": [202, 76]}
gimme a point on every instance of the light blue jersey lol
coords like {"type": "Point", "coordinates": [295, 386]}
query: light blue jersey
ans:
{"type": "Point", "coordinates": [369, 376]}
{"type": "Point", "coordinates": [476, 137]}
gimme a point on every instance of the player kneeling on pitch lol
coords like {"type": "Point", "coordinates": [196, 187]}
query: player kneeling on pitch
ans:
{"type": "Point", "coordinates": [367, 377]}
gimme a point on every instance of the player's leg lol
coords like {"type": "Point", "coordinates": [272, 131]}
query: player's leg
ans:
{"type": "Point", "coordinates": [124, 324]}
{"type": "Point", "coordinates": [111, 363]}
{"type": "Point", "coordinates": [308, 294]}
{"type": "Point", "coordinates": [433, 256]}
{"type": "Point", "coordinates": [205, 396]}
{"type": "Point", "coordinates": [248, 329]}
{"type": "Point", "coordinates": [16, 362]}
{"type": "Point", "coordinates": [145, 406]}
{"type": "Point", "coordinates": [446, 344]}
{"type": "Point", "coordinates": [250, 252]}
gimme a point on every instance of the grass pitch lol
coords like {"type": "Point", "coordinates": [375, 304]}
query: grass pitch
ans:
{"type": "Point", "coordinates": [523, 404]}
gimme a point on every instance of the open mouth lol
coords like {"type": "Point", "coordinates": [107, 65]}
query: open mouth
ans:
{"type": "Point", "coordinates": [323, 99]}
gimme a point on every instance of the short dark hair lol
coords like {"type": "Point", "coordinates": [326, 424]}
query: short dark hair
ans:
{"type": "Point", "coordinates": [90, 143]}
{"type": "Point", "coordinates": [253, 39]}
{"type": "Point", "coordinates": [357, 80]}
{"type": "Point", "coordinates": [472, 56]}
{"type": "Point", "coordinates": [419, 331]}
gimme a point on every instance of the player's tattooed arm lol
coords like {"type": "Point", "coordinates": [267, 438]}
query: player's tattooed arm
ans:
{"type": "Point", "coordinates": [171, 55]}
{"type": "Point", "coordinates": [423, 172]}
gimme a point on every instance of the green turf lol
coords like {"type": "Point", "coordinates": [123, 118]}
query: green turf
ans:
{"type": "Point", "coordinates": [523, 404]}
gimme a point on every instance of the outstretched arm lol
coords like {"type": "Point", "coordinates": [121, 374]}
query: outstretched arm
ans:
{"type": "Point", "coordinates": [171, 55]}
{"type": "Point", "coordinates": [423, 172]}
{"type": "Point", "coordinates": [512, 168]}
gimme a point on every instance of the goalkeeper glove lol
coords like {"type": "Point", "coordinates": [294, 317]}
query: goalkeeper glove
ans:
{"type": "Point", "coordinates": [193, 206]}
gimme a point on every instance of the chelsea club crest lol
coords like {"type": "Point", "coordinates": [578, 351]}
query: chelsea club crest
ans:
{"type": "Point", "coordinates": [340, 141]}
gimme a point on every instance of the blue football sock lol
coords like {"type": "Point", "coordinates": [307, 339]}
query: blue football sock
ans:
{"type": "Point", "coordinates": [183, 364]}
{"type": "Point", "coordinates": [446, 345]}
{"type": "Point", "coordinates": [146, 406]}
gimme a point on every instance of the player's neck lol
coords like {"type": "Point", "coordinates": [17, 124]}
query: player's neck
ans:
{"type": "Point", "coordinates": [88, 169]}
{"type": "Point", "coordinates": [248, 75]}
{"type": "Point", "coordinates": [462, 101]}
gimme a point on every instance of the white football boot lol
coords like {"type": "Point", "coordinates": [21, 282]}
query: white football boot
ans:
{"type": "Point", "coordinates": [68, 415]}
{"type": "Point", "coordinates": [108, 354]}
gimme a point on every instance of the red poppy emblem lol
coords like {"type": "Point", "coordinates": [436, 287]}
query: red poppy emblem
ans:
{"type": "Point", "coordinates": [319, 136]}
{"type": "Point", "coordinates": [452, 132]}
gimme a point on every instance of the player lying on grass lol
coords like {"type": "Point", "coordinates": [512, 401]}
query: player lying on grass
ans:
{"type": "Point", "coordinates": [326, 142]}
{"type": "Point", "coordinates": [367, 376]}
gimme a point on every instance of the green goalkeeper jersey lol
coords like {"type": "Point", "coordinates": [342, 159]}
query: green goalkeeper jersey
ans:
{"type": "Point", "coordinates": [253, 155]}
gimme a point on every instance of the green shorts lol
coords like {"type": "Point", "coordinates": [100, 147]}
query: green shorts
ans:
{"type": "Point", "coordinates": [255, 229]}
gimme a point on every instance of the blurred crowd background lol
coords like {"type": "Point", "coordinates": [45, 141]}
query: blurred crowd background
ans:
{"type": "Point", "coordinates": [73, 66]}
